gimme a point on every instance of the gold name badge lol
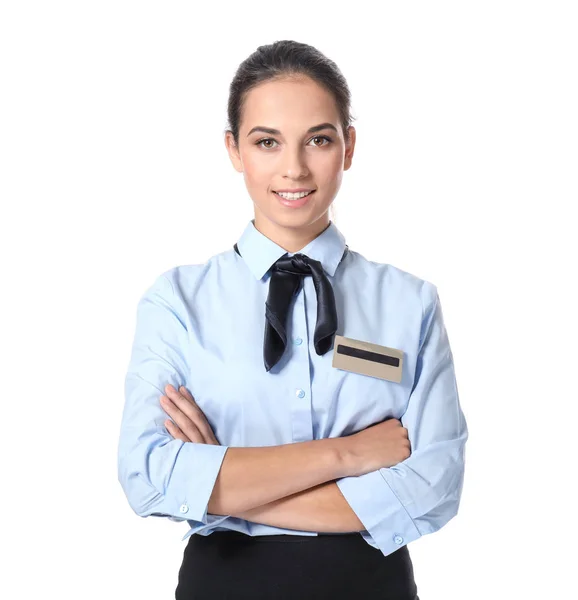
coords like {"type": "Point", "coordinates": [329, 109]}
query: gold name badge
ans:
{"type": "Point", "coordinates": [366, 358]}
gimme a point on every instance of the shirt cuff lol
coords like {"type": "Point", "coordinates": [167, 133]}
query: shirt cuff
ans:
{"type": "Point", "coordinates": [378, 508]}
{"type": "Point", "coordinates": [193, 479]}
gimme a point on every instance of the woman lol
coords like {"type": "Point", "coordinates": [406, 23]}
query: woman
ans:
{"type": "Point", "coordinates": [314, 425]}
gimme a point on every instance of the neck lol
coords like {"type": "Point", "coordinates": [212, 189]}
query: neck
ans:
{"type": "Point", "coordinates": [292, 239]}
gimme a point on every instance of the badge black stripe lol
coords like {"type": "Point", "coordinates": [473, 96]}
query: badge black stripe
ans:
{"type": "Point", "coordinates": [368, 355]}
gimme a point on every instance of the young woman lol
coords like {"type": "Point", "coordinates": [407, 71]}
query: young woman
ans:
{"type": "Point", "coordinates": [293, 401]}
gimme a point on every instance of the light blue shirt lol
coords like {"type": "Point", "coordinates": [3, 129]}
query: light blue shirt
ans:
{"type": "Point", "coordinates": [202, 326]}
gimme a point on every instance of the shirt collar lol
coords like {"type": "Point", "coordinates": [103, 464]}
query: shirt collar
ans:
{"type": "Point", "coordinates": [260, 252]}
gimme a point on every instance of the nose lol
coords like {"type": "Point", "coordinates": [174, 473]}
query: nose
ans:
{"type": "Point", "coordinates": [294, 164]}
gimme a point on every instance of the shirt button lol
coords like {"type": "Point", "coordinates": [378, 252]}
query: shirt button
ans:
{"type": "Point", "coordinates": [184, 508]}
{"type": "Point", "coordinates": [300, 393]}
{"type": "Point", "coordinates": [297, 341]}
{"type": "Point", "coordinates": [398, 539]}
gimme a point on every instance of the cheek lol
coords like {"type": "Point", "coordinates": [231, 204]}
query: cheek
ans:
{"type": "Point", "coordinates": [331, 177]}
{"type": "Point", "coordinates": [256, 167]}
{"type": "Point", "coordinates": [329, 165]}
{"type": "Point", "coordinates": [257, 179]}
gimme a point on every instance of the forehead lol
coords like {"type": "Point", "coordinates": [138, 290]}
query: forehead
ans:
{"type": "Point", "coordinates": [287, 104]}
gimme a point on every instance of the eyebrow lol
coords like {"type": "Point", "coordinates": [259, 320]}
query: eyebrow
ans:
{"type": "Point", "coordinates": [313, 129]}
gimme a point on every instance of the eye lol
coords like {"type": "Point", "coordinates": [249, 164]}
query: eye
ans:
{"type": "Point", "coordinates": [327, 139]}
{"type": "Point", "coordinates": [265, 140]}
{"type": "Point", "coordinates": [322, 137]}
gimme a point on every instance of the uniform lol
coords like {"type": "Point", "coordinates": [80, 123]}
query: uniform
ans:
{"type": "Point", "coordinates": [215, 329]}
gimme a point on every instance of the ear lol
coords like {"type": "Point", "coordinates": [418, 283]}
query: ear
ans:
{"type": "Point", "coordinates": [233, 151]}
{"type": "Point", "coordinates": [349, 148]}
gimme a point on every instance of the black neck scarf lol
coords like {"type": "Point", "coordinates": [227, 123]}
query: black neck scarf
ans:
{"type": "Point", "coordinates": [286, 280]}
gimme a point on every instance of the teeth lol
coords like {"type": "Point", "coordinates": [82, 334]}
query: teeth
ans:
{"type": "Point", "coordinates": [289, 196]}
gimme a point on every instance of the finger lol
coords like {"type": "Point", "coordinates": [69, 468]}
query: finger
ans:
{"type": "Point", "coordinates": [175, 431]}
{"type": "Point", "coordinates": [184, 414]}
{"type": "Point", "coordinates": [193, 412]}
{"type": "Point", "coordinates": [208, 432]}
{"type": "Point", "coordinates": [182, 420]}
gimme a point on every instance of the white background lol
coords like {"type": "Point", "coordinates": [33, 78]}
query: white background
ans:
{"type": "Point", "coordinates": [113, 169]}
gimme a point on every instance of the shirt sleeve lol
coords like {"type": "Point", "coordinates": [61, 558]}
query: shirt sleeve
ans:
{"type": "Point", "coordinates": [422, 493]}
{"type": "Point", "coordinates": [160, 475]}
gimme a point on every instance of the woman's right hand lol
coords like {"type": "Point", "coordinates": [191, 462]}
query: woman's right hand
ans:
{"type": "Point", "coordinates": [382, 445]}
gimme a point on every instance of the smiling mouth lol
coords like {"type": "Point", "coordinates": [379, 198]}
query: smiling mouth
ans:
{"type": "Point", "coordinates": [298, 198]}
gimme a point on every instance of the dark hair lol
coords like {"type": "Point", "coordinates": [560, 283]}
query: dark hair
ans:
{"type": "Point", "coordinates": [280, 60]}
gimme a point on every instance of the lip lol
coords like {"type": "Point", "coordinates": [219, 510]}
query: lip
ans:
{"type": "Point", "coordinates": [295, 203]}
{"type": "Point", "coordinates": [296, 191]}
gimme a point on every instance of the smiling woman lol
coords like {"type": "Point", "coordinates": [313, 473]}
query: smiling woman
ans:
{"type": "Point", "coordinates": [293, 470]}
{"type": "Point", "coordinates": [299, 99]}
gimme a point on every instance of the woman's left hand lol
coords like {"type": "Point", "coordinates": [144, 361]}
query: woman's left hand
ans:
{"type": "Point", "coordinates": [189, 423]}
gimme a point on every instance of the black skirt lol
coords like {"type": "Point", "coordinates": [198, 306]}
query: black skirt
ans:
{"type": "Point", "coordinates": [231, 565]}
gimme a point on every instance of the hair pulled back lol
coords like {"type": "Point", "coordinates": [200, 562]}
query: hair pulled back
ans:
{"type": "Point", "coordinates": [281, 60]}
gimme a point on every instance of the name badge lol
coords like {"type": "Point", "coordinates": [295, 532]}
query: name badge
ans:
{"type": "Point", "coordinates": [367, 358]}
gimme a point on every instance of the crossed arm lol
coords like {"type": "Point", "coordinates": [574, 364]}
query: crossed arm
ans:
{"type": "Point", "coordinates": [321, 508]}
